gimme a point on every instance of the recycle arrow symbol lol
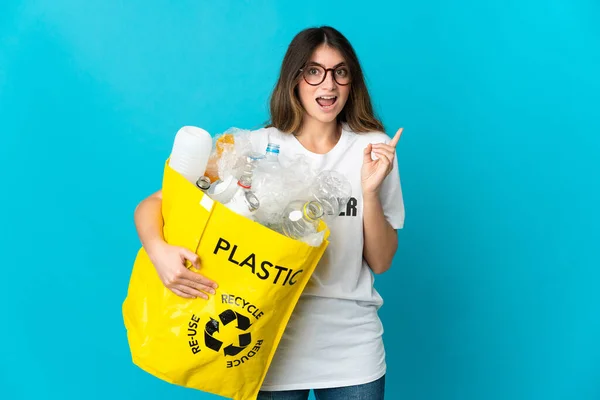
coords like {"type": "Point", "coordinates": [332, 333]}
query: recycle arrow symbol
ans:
{"type": "Point", "coordinates": [226, 317]}
{"type": "Point", "coordinates": [211, 327]}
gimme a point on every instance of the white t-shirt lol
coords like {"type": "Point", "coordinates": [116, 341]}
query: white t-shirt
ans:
{"type": "Point", "coordinates": [334, 336]}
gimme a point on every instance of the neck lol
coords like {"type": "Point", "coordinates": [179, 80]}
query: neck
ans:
{"type": "Point", "coordinates": [319, 136]}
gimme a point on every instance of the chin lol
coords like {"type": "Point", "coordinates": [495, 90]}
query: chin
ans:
{"type": "Point", "coordinates": [323, 117]}
{"type": "Point", "coordinates": [327, 118]}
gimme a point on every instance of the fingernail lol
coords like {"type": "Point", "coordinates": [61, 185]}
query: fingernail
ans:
{"type": "Point", "coordinates": [212, 291]}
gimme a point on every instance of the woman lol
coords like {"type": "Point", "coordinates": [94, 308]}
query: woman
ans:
{"type": "Point", "coordinates": [321, 109]}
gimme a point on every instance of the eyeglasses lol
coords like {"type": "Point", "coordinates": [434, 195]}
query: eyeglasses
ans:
{"type": "Point", "coordinates": [315, 74]}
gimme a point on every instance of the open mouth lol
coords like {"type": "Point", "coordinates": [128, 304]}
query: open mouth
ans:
{"type": "Point", "coordinates": [326, 102]}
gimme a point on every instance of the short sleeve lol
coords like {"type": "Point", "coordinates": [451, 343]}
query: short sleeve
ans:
{"type": "Point", "coordinates": [390, 195]}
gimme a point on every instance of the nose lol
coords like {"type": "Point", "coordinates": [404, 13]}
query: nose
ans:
{"type": "Point", "coordinates": [329, 81]}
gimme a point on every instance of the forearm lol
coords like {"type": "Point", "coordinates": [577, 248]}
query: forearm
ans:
{"type": "Point", "coordinates": [380, 239]}
{"type": "Point", "coordinates": [149, 222]}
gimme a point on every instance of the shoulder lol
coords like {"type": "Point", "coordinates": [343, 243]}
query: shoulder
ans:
{"type": "Point", "coordinates": [262, 136]}
{"type": "Point", "coordinates": [266, 133]}
{"type": "Point", "coordinates": [265, 130]}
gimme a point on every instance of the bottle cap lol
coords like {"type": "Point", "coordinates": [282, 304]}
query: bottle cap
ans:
{"type": "Point", "coordinates": [245, 181]}
{"type": "Point", "coordinates": [203, 183]}
{"type": "Point", "coordinates": [273, 148]}
{"type": "Point", "coordinates": [252, 201]}
{"type": "Point", "coordinates": [313, 210]}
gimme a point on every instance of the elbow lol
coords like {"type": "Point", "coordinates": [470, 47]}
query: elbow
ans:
{"type": "Point", "coordinates": [380, 268]}
{"type": "Point", "coordinates": [137, 210]}
{"type": "Point", "coordinates": [383, 262]}
{"type": "Point", "coordinates": [380, 254]}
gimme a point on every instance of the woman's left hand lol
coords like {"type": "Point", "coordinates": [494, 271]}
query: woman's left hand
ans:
{"type": "Point", "coordinates": [374, 171]}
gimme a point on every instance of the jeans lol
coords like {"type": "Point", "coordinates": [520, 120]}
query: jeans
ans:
{"type": "Point", "coordinates": [367, 391]}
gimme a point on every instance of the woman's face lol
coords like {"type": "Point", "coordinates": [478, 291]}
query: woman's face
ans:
{"type": "Point", "coordinates": [323, 102]}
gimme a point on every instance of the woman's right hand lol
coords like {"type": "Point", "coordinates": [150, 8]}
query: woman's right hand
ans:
{"type": "Point", "coordinates": [170, 261]}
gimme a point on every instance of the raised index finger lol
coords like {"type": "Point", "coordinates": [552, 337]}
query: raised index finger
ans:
{"type": "Point", "coordinates": [396, 138]}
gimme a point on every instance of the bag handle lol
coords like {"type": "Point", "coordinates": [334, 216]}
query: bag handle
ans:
{"type": "Point", "coordinates": [185, 202]}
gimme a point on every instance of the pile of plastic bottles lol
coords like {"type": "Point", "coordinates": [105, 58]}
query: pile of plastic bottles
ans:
{"type": "Point", "coordinates": [291, 199]}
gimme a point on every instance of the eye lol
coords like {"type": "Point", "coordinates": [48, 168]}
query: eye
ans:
{"type": "Point", "coordinates": [342, 72]}
{"type": "Point", "coordinates": [313, 71]}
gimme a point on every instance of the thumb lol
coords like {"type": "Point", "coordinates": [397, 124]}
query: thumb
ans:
{"type": "Point", "coordinates": [367, 154]}
{"type": "Point", "coordinates": [190, 256]}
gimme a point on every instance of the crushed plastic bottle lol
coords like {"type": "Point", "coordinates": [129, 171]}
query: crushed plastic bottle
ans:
{"type": "Point", "coordinates": [223, 189]}
{"type": "Point", "coordinates": [332, 190]}
{"type": "Point", "coordinates": [228, 154]}
{"type": "Point", "coordinates": [289, 198]}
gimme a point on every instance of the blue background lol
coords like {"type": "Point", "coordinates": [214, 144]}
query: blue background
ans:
{"type": "Point", "coordinates": [494, 290]}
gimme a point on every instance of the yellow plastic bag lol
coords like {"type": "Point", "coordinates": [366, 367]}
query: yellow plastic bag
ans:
{"type": "Point", "coordinates": [223, 345]}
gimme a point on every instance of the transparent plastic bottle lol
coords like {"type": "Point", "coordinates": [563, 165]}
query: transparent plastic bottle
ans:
{"type": "Point", "coordinates": [301, 218]}
{"type": "Point", "coordinates": [244, 201]}
{"type": "Point", "coordinates": [251, 162]}
{"type": "Point", "coordinates": [271, 160]}
{"type": "Point", "coordinates": [267, 175]}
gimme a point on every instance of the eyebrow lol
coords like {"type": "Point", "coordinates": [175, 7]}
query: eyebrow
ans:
{"type": "Point", "coordinates": [321, 65]}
